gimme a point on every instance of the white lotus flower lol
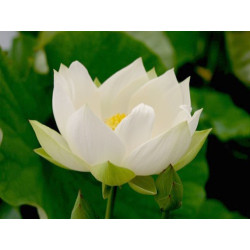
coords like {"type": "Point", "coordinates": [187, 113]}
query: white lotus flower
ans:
{"type": "Point", "coordinates": [135, 123]}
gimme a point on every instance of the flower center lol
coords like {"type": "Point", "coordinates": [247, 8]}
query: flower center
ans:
{"type": "Point", "coordinates": [113, 121]}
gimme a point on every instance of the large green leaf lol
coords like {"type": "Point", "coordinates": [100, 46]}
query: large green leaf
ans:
{"type": "Point", "coordinates": [17, 160]}
{"type": "Point", "coordinates": [130, 204]}
{"type": "Point", "coordinates": [9, 212]}
{"type": "Point", "coordinates": [102, 53]}
{"type": "Point", "coordinates": [22, 53]}
{"type": "Point", "coordinates": [220, 113]}
{"type": "Point", "coordinates": [159, 43]}
{"type": "Point", "coordinates": [187, 46]}
{"type": "Point", "coordinates": [193, 197]}
{"type": "Point", "coordinates": [214, 209]}
{"type": "Point", "coordinates": [238, 47]}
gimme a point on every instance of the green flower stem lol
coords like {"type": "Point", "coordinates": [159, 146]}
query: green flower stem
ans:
{"type": "Point", "coordinates": [110, 203]}
{"type": "Point", "coordinates": [165, 214]}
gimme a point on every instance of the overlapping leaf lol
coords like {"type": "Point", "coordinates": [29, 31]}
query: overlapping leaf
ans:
{"type": "Point", "coordinates": [227, 120]}
{"type": "Point", "coordinates": [238, 47]}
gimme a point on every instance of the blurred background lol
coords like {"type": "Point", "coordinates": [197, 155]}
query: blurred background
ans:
{"type": "Point", "coordinates": [216, 183]}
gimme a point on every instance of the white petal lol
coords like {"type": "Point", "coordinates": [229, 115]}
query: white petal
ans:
{"type": "Point", "coordinates": [120, 103]}
{"type": "Point", "coordinates": [166, 109]}
{"type": "Point", "coordinates": [193, 122]}
{"type": "Point", "coordinates": [113, 85]}
{"type": "Point", "coordinates": [164, 96]}
{"type": "Point", "coordinates": [124, 76]}
{"type": "Point", "coordinates": [154, 88]}
{"type": "Point", "coordinates": [56, 147]}
{"type": "Point", "coordinates": [155, 155]}
{"type": "Point", "coordinates": [63, 70]}
{"type": "Point", "coordinates": [92, 140]}
{"type": "Point", "coordinates": [81, 87]}
{"type": "Point", "coordinates": [82, 84]}
{"type": "Point", "coordinates": [73, 87]}
{"type": "Point", "coordinates": [152, 74]}
{"type": "Point", "coordinates": [61, 102]}
{"type": "Point", "coordinates": [136, 128]}
{"type": "Point", "coordinates": [182, 115]}
{"type": "Point", "coordinates": [186, 92]}
{"type": "Point", "coordinates": [166, 106]}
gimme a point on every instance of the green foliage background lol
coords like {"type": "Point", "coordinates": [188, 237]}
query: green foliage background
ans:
{"type": "Point", "coordinates": [26, 83]}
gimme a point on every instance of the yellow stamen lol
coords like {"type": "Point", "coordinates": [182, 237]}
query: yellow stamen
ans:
{"type": "Point", "coordinates": [113, 121]}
